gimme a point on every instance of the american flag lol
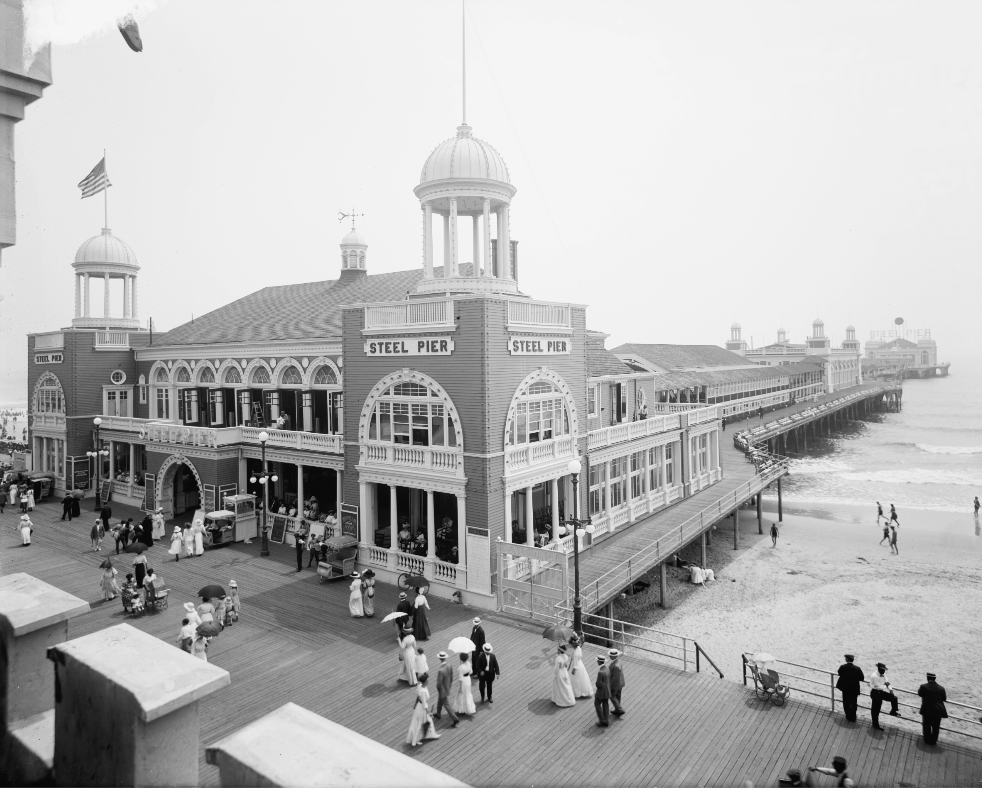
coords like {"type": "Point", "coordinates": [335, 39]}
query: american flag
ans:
{"type": "Point", "coordinates": [96, 181]}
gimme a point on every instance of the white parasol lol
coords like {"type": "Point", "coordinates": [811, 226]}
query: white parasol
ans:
{"type": "Point", "coordinates": [461, 645]}
{"type": "Point", "coordinates": [763, 657]}
{"type": "Point", "coordinates": [393, 616]}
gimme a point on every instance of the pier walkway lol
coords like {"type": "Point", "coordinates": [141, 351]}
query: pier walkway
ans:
{"type": "Point", "coordinates": [296, 642]}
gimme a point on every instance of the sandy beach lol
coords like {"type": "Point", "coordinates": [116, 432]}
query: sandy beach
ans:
{"type": "Point", "coordinates": [830, 588]}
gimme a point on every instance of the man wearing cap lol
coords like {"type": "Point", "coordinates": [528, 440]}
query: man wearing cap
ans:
{"type": "Point", "coordinates": [486, 667]}
{"type": "Point", "coordinates": [404, 606]}
{"type": "Point", "coordinates": [880, 690]}
{"type": "Point", "coordinates": [601, 698]}
{"type": "Point", "coordinates": [850, 676]}
{"type": "Point", "coordinates": [933, 709]}
{"type": "Point", "coordinates": [616, 682]}
{"type": "Point", "coordinates": [838, 771]}
{"type": "Point", "coordinates": [444, 680]}
{"type": "Point", "coordinates": [478, 639]}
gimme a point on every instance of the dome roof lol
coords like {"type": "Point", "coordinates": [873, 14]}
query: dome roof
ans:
{"type": "Point", "coordinates": [354, 237]}
{"type": "Point", "coordinates": [735, 325]}
{"type": "Point", "coordinates": [850, 327]}
{"type": "Point", "coordinates": [818, 322]}
{"type": "Point", "coordinates": [466, 157]}
{"type": "Point", "coordinates": [105, 248]}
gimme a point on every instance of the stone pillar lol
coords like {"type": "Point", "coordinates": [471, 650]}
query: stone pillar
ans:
{"type": "Point", "coordinates": [454, 238]}
{"type": "Point", "coordinates": [476, 238]}
{"type": "Point", "coordinates": [105, 297]}
{"type": "Point", "coordinates": [393, 519]}
{"type": "Point", "coordinates": [504, 244]}
{"type": "Point", "coordinates": [461, 530]}
{"type": "Point", "coordinates": [427, 241]}
{"type": "Point", "coordinates": [486, 240]}
{"type": "Point", "coordinates": [118, 722]}
{"type": "Point", "coordinates": [430, 526]}
{"type": "Point", "coordinates": [508, 534]}
{"type": "Point", "coordinates": [555, 510]}
{"type": "Point", "coordinates": [85, 293]}
{"type": "Point", "coordinates": [529, 534]}
{"type": "Point", "coordinates": [256, 755]}
{"type": "Point", "coordinates": [446, 246]}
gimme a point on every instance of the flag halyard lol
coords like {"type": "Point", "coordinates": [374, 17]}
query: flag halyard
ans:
{"type": "Point", "coordinates": [96, 181]}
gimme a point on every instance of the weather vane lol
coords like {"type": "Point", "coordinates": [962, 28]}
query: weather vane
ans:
{"type": "Point", "coordinates": [342, 216]}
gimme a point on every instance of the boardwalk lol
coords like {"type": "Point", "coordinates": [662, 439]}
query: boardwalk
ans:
{"type": "Point", "coordinates": [297, 643]}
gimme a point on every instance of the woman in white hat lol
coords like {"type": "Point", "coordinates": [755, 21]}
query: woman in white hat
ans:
{"type": "Point", "coordinates": [26, 527]}
{"type": "Point", "coordinates": [188, 536]}
{"type": "Point", "coordinates": [421, 726]}
{"type": "Point", "coordinates": [159, 531]}
{"type": "Point", "coordinates": [562, 690]}
{"type": "Point", "coordinates": [463, 700]}
{"type": "Point", "coordinates": [354, 601]}
{"type": "Point", "coordinates": [407, 655]}
{"type": "Point", "coordinates": [192, 615]}
{"type": "Point", "coordinates": [176, 543]}
{"type": "Point", "coordinates": [232, 605]}
{"type": "Point", "coordinates": [578, 677]}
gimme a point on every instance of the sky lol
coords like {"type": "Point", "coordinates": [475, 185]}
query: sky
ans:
{"type": "Point", "coordinates": [680, 166]}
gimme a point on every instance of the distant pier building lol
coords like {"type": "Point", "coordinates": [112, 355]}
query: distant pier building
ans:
{"type": "Point", "coordinates": [911, 353]}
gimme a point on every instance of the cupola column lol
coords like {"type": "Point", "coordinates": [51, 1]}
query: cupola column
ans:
{"type": "Point", "coordinates": [85, 294]}
{"type": "Point", "coordinates": [427, 241]}
{"type": "Point", "coordinates": [454, 232]}
{"type": "Point", "coordinates": [476, 233]}
{"type": "Point", "coordinates": [488, 268]}
{"type": "Point", "coordinates": [504, 244]}
{"type": "Point", "coordinates": [105, 298]}
{"type": "Point", "coordinates": [446, 245]}
{"type": "Point", "coordinates": [78, 295]}
{"type": "Point", "coordinates": [126, 295]}
{"type": "Point", "coordinates": [133, 311]}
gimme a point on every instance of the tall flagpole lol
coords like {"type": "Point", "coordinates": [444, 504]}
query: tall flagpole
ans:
{"type": "Point", "coordinates": [463, 37]}
{"type": "Point", "coordinates": [105, 190]}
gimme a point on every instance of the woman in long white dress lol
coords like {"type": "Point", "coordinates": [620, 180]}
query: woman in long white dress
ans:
{"type": "Point", "coordinates": [355, 604]}
{"type": "Point", "coordinates": [562, 690]}
{"type": "Point", "coordinates": [407, 654]}
{"type": "Point", "coordinates": [198, 527]}
{"type": "Point", "coordinates": [159, 531]}
{"type": "Point", "coordinates": [176, 543]}
{"type": "Point", "coordinates": [421, 726]}
{"type": "Point", "coordinates": [188, 540]}
{"type": "Point", "coordinates": [463, 702]}
{"type": "Point", "coordinates": [578, 677]}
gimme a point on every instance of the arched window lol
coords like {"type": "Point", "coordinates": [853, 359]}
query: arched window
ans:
{"type": "Point", "coordinates": [161, 376]}
{"type": "Point", "coordinates": [48, 397]}
{"type": "Point", "coordinates": [232, 376]}
{"type": "Point", "coordinates": [183, 376]}
{"type": "Point", "coordinates": [207, 376]}
{"type": "Point", "coordinates": [291, 376]}
{"type": "Point", "coordinates": [411, 414]}
{"type": "Point", "coordinates": [324, 376]}
{"type": "Point", "coordinates": [361, 259]}
{"type": "Point", "coordinates": [540, 414]}
{"type": "Point", "coordinates": [260, 376]}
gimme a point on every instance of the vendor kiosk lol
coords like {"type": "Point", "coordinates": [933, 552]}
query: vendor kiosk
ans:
{"type": "Point", "coordinates": [219, 528]}
{"type": "Point", "coordinates": [243, 507]}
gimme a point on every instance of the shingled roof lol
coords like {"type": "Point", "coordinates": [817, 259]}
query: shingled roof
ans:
{"type": "Point", "coordinates": [600, 361]}
{"type": "Point", "coordinates": [682, 357]}
{"type": "Point", "coordinates": [289, 312]}
{"type": "Point", "coordinates": [669, 381]}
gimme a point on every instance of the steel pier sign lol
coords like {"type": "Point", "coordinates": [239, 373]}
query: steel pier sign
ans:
{"type": "Point", "coordinates": [409, 346]}
{"type": "Point", "coordinates": [538, 347]}
{"type": "Point", "coordinates": [902, 333]}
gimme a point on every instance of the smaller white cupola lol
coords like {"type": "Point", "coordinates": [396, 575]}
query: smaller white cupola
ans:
{"type": "Point", "coordinates": [354, 255]}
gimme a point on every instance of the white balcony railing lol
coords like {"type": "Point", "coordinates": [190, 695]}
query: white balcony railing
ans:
{"type": "Point", "coordinates": [113, 339]}
{"type": "Point", "coordinates": [124, 423]}
{"type": "Point", "coordinates": [630, 430]}
{"type": "Point", "coordinates": [50, 420]}
{"type": "Point", "coordinates": [531, 454]}
{"type": "Point", "coordinates": [535, 313]}
{"type": "Point", "coordinates": [448, 461]}
{"type": "Point", "coordinates": [49, 341]}
{"type": "Point", "coordinates": [290, 439]}
{"type": "Point", "coordinates": [702, 415]}
{"type": "Point", "coordinates": [410, 313]}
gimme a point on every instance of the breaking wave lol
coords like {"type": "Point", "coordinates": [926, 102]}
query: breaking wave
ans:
{"type": "Point", "coordinates": [949, 449]}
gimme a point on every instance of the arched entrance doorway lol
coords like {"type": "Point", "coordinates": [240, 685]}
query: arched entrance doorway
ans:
{"type": "Point", "coordinates": [180, 487]}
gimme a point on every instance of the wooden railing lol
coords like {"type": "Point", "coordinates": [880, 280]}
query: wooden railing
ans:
{"type": "Point", "coordinates": [293, 439]}
{"type": "Point", "coordinates": [631, 430]}
{"type": "Point", "coordinates": [820, 683]}
{"type": "Point", "coordinates": [530, 454]}
{"type": "Point", "coordinates": [114, 339]}
{"type": "Point", "coordinates": [410, 313]}
{"type": "Point", "coordinates": [536, 313]}
{"type": "Point", "coordinates": [444, 460]}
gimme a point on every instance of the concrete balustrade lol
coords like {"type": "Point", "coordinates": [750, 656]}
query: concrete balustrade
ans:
{"type": "Point", "coordinates": [34, 616]}
{"type": "Point", "coordinates": [126, 710]}
{"type": "Point", "coordinates": [295, 747]}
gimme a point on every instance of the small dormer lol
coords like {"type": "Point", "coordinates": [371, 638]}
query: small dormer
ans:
{"type": "Point", "coordinates": [354, 254]}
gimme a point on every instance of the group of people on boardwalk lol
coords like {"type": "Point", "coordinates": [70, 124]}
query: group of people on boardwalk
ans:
{"type": "Point", "coordinates": [932, 695]}
{"type": "Point", "coordinates": [890, 527]}
{"type": "Point", "coordinates": [188, 541]}
{"type": "Point", "coordinates": [203, 623]}
{"type": "Point", "coordinates": [570, 680]}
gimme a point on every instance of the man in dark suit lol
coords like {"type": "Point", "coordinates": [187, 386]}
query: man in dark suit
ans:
{"type": "Point", "coordinates": [444, 678]}
{"type": "Point", "coordinates": [478, 638]}
{"type": "Point", "coordinates": [601, 698]}
{"type": "Point", "coordinates": [486, 667]}
{"type": "Point", "coordinates": [105, 513]}
{"type": "Point", "coordinates": [616, 682]}
{"type": "Point", "coordinates": [850, 676]}
{"type": "Point", "coordinates": [933, 709]}
{"type": "Point", "coordinates": [66, 507]}
{"type": "Point", "coordinates": [404, 606]}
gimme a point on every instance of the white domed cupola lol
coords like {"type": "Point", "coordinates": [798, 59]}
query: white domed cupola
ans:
{"type": "Point", "coordinates": [466, 177]}
{"type": "Point", "coordinates": [105, 257]}
{"type": "Point", "coordinates": [354, 256]}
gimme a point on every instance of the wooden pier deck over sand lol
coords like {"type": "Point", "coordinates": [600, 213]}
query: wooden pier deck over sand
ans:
{"type": "Point", "coordinates": [296, 642]}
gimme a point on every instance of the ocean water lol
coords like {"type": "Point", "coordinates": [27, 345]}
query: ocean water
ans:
{"type": "Point", "coordinates": [928, 457]}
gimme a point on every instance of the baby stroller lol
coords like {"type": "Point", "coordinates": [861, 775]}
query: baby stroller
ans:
{"type": "Point", "coordinates": [767, 682]}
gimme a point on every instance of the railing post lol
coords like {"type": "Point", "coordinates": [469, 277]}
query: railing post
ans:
{"type": "Point", "coordinates": [832, 690]}
{"type": "Point", "coordinates": [744, 658]}
{"type": "Point", "coordinates": [697, 656]}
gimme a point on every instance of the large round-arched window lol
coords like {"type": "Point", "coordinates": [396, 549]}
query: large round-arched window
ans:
{"type": "Point", "coordinates": [324, 376]}
{"type": "Point", "coordinates": [207, 376]}
{"type": "Point", "coordinates": [183, 376]}
{"type": "Point", "coordinates": [291, 376]}
{"type": "Point", "coordinates": [260, 376]}
{"type": "Point", "coordinates": [161, 376]}
{"type": "Point", "coordinates": [411, 414]}
{"type": "Point", "coordinates": [539, 414]}
{"type": "Point", "coordinates": [232, 376]}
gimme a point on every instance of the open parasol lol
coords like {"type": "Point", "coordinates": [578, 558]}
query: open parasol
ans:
{"type": "Point", "coordinates": [209, 629]}
{"type": "Point", "coordinates": [135, 547]}
{"type": "Point", "coordinates": [107, 564]}
{"type": "Point", "coordinates": [394, 616]}
{"type": "Point", "coordinates": [78, 493]}
{"type": "Point", "coordinates": [762, 658]}
{"type": "Point", "coordinates": [461, 645]}
{"type": "Point", "coordinates": [557, 632]}
{"type": "Point", "coordinates": [212, 592]}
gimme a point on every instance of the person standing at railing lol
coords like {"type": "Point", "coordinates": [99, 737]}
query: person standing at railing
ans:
{"type": "Point", "coordinates": [850, 676]}
{"type": "Point", "coordinates": [880, 690]}
{"type": "Point", "coordinates": [933, 710]}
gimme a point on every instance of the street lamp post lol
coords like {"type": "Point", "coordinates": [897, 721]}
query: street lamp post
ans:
{"type": "Point", "coordinates": [574, 468]}
{"type": "Point", "coordinates": [98, 454]}
{"type": "Point", "coordinates": [264, 479]}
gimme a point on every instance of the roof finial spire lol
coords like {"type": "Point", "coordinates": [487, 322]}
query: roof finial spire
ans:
{"type": "Point", "coordinates": [342, 216]}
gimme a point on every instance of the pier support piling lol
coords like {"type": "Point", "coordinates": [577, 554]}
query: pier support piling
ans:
{"type": "Point", "coordinates": [702, 550]}
{"type": "Point", "coordinates": [780, 502]}
{"type": "Point", "coordinates": [609, 612]}
{"type": "Point", "coordinates": [760, 522]}
{"type": "Point", "coordinates": [663, 586]}
{"type": "Point", "coordinates": [736, 529]}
